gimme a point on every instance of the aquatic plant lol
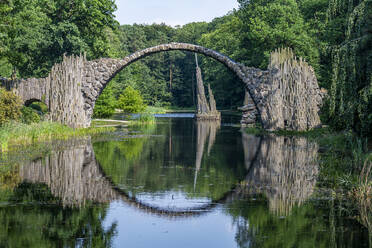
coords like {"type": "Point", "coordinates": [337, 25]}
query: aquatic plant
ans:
{"type": "Point", "coordinates": [143, 118]}
{"type": "Point", "coordinates": [156, 110]}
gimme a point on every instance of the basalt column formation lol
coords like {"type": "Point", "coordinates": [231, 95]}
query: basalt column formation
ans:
{"type": "Point", "coordinates": [205, 111]}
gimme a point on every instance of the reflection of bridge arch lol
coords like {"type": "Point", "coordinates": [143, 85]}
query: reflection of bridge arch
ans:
{"type": "Point", "coordinates": [285, 171]}
{"type": "Point", "coordinates": [172, 213]}
{"type": "Point", "coordinates": [75, 176]}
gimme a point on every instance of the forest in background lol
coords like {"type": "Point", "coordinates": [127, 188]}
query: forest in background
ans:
{"type": "Point", "coordinates": [334, 36]}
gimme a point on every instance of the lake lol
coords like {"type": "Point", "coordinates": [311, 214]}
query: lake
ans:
{"type": "Point", "coordinates": [175, 184]}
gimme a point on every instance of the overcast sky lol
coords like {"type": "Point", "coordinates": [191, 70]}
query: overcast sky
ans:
{"type": "Point", "coordinates": [171, 12]}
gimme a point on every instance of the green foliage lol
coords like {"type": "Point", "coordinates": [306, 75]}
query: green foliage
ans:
{"type": "Point", "coordinates": [29, 115]}
{"type": "Point", "coordinates": [225, 38]}
{"type": "Point", "coordinates": [105, 104]}
{"type": "Point", "coordinates": [5, 8]}
{"type": "Point", "coordinates": [333, 35]}
{"type": "Point", "coordinates": [155, 110]}
{"type": "Point", "coordinates": [10, 106]}
{"type": "Point", "coordinates": [351, 84]}
{"type": "Point", "coordinates": [39, 32]}
{"type": "Point", "coordinates": [31, 206]}
{"type": "Point", "coordinates": [40, 107]}
{"type": "Point", "coordinates": [131, 101]}
{"type": "Point", "coordinates": [14, 133]}
{"type": "Point", "coordinates": [267, 25]}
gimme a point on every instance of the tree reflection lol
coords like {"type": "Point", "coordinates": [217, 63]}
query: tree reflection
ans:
{"type": "Point", "coordinates": [71, 175]}
{"type": "Point", "coordinates": [33, 217]}
{"type": "Point", "coordinates": [271, 207]}
{"type": "Point", "coordinates": [34, 193]}
{"type": "Point", "coordinates": [174, 159]}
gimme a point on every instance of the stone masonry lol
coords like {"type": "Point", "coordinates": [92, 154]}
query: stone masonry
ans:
{"type": "Point", "coordinates": [73, 86]}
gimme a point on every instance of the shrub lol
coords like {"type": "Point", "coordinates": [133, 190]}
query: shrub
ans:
{"type": "Point", "coordinates": [29, 115]}
{"type": "Point", "coordinates": [10, 106]}
{"type": "Point", "coordinates": [40, 107]}
{"type": "Point", "coordinates": [131, 101]}
{"type": "Point", "coordinates": [105, 105]}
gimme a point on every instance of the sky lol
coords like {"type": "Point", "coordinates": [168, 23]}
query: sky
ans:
{"type": "Point", "coordinates": [171, 12]}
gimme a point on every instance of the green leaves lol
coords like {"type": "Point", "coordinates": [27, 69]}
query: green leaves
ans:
{"type": "Point", "coordinates": [268, 25]}
{"type": "Point", "coordinates": [105, 104]}
{"type": "Point", "coordinates": [39, 32]}
{"type": "Point", "coordinates": [350, 95]}
{"type": "Point", "coordinates": [10, 106]}
{"type": "Point", "coordinates": [131, 101]}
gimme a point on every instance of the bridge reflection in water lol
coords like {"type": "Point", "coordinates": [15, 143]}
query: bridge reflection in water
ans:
{"type": "Point", "coordinates": [221, 187]}
{"type": "Point", "coordinates": [283, 169]}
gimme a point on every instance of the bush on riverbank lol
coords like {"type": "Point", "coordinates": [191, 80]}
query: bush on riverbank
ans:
{"type": "Point", "coordinates": [131, 101]}
{"type": "Point", "coordinates": [14, 133]}
{"type": "Point", "coordinates": [10, 106]}
{"type": "Point", "coordinates": [105, 104]}
{"type": "Point", "coordinates": [29, 115]}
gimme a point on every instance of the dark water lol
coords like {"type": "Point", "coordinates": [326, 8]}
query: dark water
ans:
{"type": "Point", "coordinates": [177, 184]}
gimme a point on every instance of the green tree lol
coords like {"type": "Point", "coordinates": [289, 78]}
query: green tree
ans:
{"type": "Point", "coordinates": [351, 83]}
{"type": "Point", "coordinates": [5, 8]}
{"type": "Point", "coordinates": [225, 38]}
{"type": "Point", "coordinates": [269, 24]}
{"type": "Point", "coordinates": [10, 106]}
{"type": "Point", "coordinates": [29, 115]}
{"type": "Point", "coordinates": [41, 31]}
{"type": "Point", "coordinates": [105, 104]}
{"type": "Point", "coordinates": [131, 101]}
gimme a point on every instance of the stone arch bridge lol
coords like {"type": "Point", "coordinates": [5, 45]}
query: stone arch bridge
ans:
{"type": "Point", "coordinates": [73, 86]}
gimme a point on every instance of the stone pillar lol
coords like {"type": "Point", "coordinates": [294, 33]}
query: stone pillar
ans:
{"type": "Point", "coordinates": [249, 111]}
{"type": "Point", "coordinates": [66, 103]}
{"type": "Point", "coordinates": [205, 111]}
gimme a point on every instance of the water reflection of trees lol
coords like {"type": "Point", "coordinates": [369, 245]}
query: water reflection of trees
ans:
{"type": "Point", "coordinates": [281, 176]}
{"type": "Point", "coordinates": [33, 217]}
{"type": "Point", "coordinates": [170, 159]}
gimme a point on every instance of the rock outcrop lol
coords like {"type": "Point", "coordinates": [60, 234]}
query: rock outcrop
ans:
{"type": "Point", "coordinates": [287, 95]}
{"type": "Point", "coordinates": [205, 110]}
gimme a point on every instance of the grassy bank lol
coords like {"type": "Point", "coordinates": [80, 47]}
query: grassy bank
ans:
{"type": "Point", "coordinates": [17, 134]}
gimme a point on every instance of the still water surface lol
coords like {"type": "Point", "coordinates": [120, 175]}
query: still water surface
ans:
{"type": "Point", "coordinates": [176, 184]}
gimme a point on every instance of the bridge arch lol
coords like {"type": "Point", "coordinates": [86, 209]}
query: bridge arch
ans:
{"type": "Point", "coordinates": [104, 70]}
{"type": "Point", "coordinates": [286, 96]}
